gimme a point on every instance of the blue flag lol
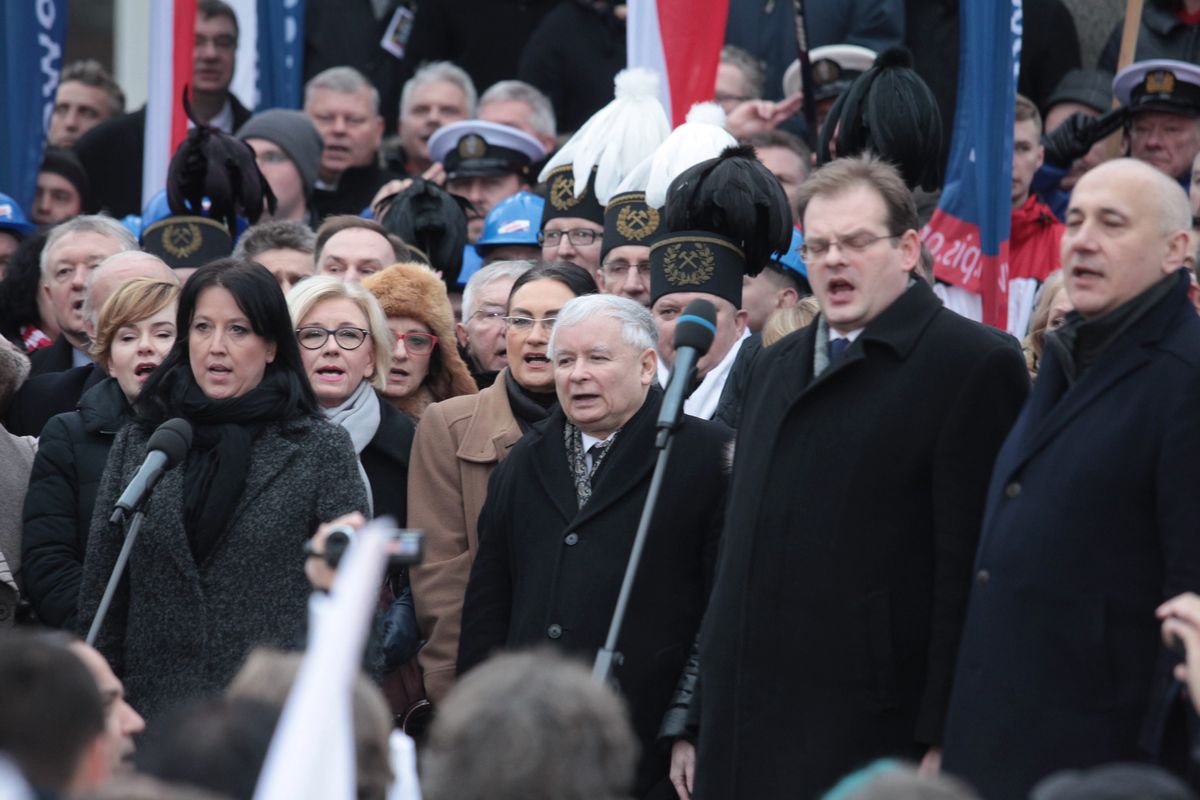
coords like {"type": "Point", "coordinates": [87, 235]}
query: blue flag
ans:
{"type": "Point", "coordinates": [31, 44]}
{"type": "Point", "coordinates": [280, 53]}
{"type": "Point", "coordinates": [968, 234]}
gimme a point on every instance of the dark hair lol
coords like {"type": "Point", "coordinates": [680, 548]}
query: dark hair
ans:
{"type": "Point", "coordinates": [258, 295]}
{"type": "Point", "coordinates": [217, 8]}
{"type": "Point", "coordinates": [337, 223]}
{"type": "Point", "coordinates": [52, 708]}
{"type": "Point", "coordinates": [572, 276]}
{"type": "Point", "coordinates": [783, 140]}
{"type": "Point", "coordinates": [214, 744]}
{"type": "Point", "coordinates": [19, 289]}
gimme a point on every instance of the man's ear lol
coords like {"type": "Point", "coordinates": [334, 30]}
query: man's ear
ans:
{"type": "Point", "coordinates": [649, 366]}
{"type": "Point", "coordinates": [460, 333]}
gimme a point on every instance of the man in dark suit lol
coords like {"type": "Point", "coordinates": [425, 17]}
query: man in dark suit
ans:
{"type": "Point", "coordinates": [1092, 514]}
{"type": "Point", "coordinates": [112, 151]}
{"type": "Point", "coordinates": [864, 448]}
{"type": "Point", "coordinates": [562, 510]}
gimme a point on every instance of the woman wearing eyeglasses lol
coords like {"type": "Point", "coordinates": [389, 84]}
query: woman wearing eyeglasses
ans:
{"type": "Point", "coordinates": [459, 443]}
{"type": "Point", "coordinates": [425, 365]}
{"type": "Point", "coordinates": [346, 348]}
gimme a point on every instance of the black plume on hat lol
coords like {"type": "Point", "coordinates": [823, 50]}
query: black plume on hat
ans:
{"type": "Point", "coordinates": [427, 217]}
{"type": "Point", "coordinates": [889, 111]}
{"type": "Point", "coordinates": [211, 163]}
{"type": "Point", "coordinates": [735, 196]}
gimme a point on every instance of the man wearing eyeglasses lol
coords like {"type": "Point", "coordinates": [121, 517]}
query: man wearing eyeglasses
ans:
{"type": "Point", "coordinates": [866, 442]}
{"type": "Point", "coordinates": [630, 227]}
{"type": "Point", "coordinates": [111, 152]}
{"type": "Point", "coordinates": [480, 335]}
{"type": "Point", "coordinates": [572, 227]}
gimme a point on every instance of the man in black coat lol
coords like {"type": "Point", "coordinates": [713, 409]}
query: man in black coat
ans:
{"type": "Point", "coordinates": [1092, 514]}
{"type": "Point", "coordinates": [562, 510]}
{"type": "Point", "coordinates": [112, 151]}
{"type": "Point", "coordinates": [864, 448]}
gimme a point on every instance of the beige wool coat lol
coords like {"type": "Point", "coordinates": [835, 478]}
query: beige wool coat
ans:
{"type": "Point", "coordinates": [458, 443]}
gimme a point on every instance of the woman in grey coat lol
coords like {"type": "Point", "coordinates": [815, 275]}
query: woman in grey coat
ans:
{"type": "Point", "coordinates": [218, 567]}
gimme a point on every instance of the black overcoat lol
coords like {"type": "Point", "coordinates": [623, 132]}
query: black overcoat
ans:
{"type": "Point", "coordinates": [548, 572]}
{"type": "Point", "coordinates": [1093, 519]}
{"type": "Point", "coordinates": [854, 511]}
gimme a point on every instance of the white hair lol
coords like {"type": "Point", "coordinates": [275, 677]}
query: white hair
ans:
{"type": "Point", "coordinates": [637, 326]}
{"type": "Point", "coordinates": [88, 223]}
{"type": "Point", "coordinates": [496, 271]}
{"type": "Point", "coordinates": [343, 80]}
{"type": "Point", "coordinates": [542, 118]}
{"type": "Point", "coordinates": [441, 71]}
{"type": "Point", "coordinates": [89, 310]}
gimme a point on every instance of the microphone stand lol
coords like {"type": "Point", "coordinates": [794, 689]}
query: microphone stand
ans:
{"type": "Point", "coordinates": [607, 655]}
{"type": "Point", "coordinates": [130, 537]}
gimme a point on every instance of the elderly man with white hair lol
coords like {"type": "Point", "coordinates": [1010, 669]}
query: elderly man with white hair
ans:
{"type": "Point", "coordinates": [481, 334]}
{"type": "Point", "coordinates": [52, 393]}
{"type": "Point", "coordinates": [565, 506]}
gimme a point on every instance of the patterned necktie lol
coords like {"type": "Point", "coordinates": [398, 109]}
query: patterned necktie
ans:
{"type": "Point", "coordinates": [836, 348]}
{"type": "Point", "coordinates": [577, 460]}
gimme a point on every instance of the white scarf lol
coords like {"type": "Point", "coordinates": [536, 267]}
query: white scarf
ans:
{"type": "Point", "coordinates": [703, 401]}
{"type": "Point", "coordinates": [359, 414]}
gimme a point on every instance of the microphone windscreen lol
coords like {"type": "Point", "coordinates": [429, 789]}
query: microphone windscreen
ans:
{"type": "Point", "coordinates": [173, 438]}
{"type": "Point", "coordinates": [696, 326]}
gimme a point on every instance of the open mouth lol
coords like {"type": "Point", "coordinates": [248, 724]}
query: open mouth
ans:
{"type": "Point", "coordinates": [1084, 272]}
{"type": "Point", "coordinates": [219, 370]}
{"type": "Point", "coordinates": [839, 287]}
{"type": "Point", "coordinates": [537, 360]}
{"type": "Point", "coordinates": [330, 373]}
{"type": "Point", "coordinates": [144, 369]}
{"type": "Point", "coordinates": [397, 374]}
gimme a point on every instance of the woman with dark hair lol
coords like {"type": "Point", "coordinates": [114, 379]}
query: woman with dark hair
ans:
{"type": "Point", "coordinates": [219, 566]}
{"type": "Point", "coordinates": [26, 318]}
{"type": "Point", "coordinates": [461, 441]}
{"type": "Point", "coordinates": [426, 367]}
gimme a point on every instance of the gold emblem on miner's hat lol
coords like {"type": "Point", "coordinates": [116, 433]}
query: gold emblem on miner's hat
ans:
{"type": "Point", "coordinates": [637, 223]}
{"type": "Point", "coordinates": [562, 191]}
{"type": "Point", "coordinates": [689, 264]}
{"type": "Point", "coordinates": [1160, 81]}
{"type": "Point", "coordinates": [472, 146]}
{"type": "Point", "coordinates": [182, 239]}
{"type": "Point", "coordinates": [826, 71]}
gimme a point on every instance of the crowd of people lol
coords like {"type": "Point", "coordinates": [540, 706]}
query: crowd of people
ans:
{"type": "Point", "coordinates": [893, 553]}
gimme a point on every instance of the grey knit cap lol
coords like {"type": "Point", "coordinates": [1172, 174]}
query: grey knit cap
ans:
{"type": "Point", "coordinates": [295, 135]}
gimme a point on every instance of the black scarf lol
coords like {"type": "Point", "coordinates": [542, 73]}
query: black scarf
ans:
{"type": "Point", "coordinates": [219, 461]}
{"type": "Point", "coordinates": [528, 407]}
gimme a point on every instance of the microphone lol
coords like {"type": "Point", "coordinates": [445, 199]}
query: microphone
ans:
{"type": "Point", "coordinates": [167, 447]}
{"type": "Point", "coordinates": [694, 332]}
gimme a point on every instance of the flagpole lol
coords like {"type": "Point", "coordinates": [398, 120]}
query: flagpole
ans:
{"type": "Point", "coordinates": [806, 78]}
{"type": "Point", "coordinates": [1129, 33]}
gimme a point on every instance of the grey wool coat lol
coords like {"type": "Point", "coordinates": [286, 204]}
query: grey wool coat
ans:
{"type": "Point", "coordinates": [178, 630]}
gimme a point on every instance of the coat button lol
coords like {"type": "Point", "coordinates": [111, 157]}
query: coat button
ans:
{"type": "Point", "coordinates": [1012, 490]}
{"type": "Point", "coordinates": [982, 577]}
{"type": "Point", "coordinates": [554, 631]}
{"type": "Point", "coordinates": [571, 538]}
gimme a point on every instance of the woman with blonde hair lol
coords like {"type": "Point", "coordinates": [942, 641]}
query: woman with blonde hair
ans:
{"type": "Point", "coordinates": [1052, 307]}
{"type": "Point", "coordinates": [134, 332]}
{"type": "Point", "coordinates": [346, 349]}
{"type": "Point", "coordinates": [426, 367]}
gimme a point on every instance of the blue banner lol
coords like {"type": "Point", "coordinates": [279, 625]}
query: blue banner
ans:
{"type": "Point", "coordinates": [968, 235]}
{"type": "Point", "coordinates": [32, 33]}
{"type": "Point", "coordinates": [280, 53]}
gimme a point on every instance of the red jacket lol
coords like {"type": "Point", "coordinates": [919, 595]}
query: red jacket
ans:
{"type": "Point", "coordinates": [1034, 242]}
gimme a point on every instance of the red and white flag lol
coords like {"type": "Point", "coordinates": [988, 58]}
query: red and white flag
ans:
{"type": "Point", "coordinates": [172, 38]}
{"type": "Point", "coordinates": [681, 40]}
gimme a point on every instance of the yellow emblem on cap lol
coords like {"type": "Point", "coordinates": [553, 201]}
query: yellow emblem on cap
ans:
{"type": "Point", "coordinates": [182, 239]}
{"type": "Point", "coordinates": [472, 146]}
{"type": "Point", "coordinates": [1160, 81]}
{"type": "Point", "coordinates": [562, 191]}
{"type": "Point", "coordinates": [689, 264]}
{"type": "Point", "coordinates": [637, 223]}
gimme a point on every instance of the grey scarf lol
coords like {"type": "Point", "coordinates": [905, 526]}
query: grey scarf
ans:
{"type": "Point", "coordinates": [359, 415]}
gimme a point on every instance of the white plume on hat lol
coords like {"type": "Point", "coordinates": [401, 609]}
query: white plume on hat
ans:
{"type": "Point", "coordinates": [617, 137]}
{"type": "Point", "coordinates": [701, 137]}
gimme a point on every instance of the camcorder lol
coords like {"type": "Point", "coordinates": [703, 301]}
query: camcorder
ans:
{"type": "Point", "coordinates": [406, 546]}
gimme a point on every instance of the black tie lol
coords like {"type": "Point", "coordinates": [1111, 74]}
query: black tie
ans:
{"type": "Point", "coordinates": [837, 347]}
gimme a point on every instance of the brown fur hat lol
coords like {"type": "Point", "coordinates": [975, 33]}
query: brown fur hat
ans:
{"type": "Point", "coordinates": [413, 290]}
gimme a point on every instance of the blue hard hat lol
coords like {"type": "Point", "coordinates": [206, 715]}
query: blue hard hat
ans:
{"type": "Point", "coordinates": [791, 259]}
{"type": "Point", "coordinates": [12, 218]}
{"type": "Point", "coordinates": [514, 220]}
